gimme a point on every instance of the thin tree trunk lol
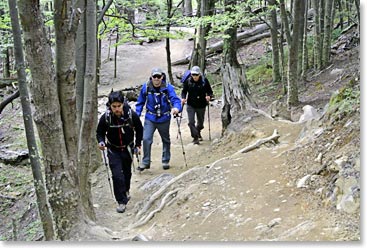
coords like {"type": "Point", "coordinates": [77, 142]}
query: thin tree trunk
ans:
{"type": "Point", "coordinates": [39, 185]}
{"type": "Point", "coordinates": [285, 21]}
{"type": "Point", "coordinates": [302, 18]}
{"type": "Point", "coordinates": [115, 59]}
{"type": "Point", "coordinates": [80, 54]}
{"type": "Point", "coordinates": [6, 64]}
{"type": "Point", "coordinates": [292, 98]}
{"type": "Point", "coordinates": [274, 43]}
{"type": "Point", "coordinates": [86, 139]}
{"type": "Point", "coordinates": [317, 35]}
{"type": "Point", "coordinates": [187, 8]}
{"type": "Point", "coordinates": [282, 61]}
{"type": "Point", "coordinates": [168, 45]}
{"type": "Point", "coordinates": [327, 32]}
{"type": "Point", "coordinates": [305, 47]}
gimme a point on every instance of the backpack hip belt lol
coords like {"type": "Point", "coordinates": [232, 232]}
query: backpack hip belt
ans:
{"type": "Point", "coordinates": [165, 113]}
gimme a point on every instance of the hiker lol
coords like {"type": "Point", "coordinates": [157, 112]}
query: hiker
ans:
{"type": "Point", "coordinates": [197, 93]}
{"type": "Point", "coordinates": [160, 100]}
{"type": "Point", "coordinates": [117, 125]}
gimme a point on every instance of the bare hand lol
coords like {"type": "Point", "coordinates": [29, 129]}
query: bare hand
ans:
{"type": "Point", "coordinates": [175, 111]}
{"type": "Point", "coordinates": [101, 146]}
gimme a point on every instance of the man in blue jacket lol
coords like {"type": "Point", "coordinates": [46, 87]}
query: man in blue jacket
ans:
{"type": "Point", "coordinates": [160, 100]}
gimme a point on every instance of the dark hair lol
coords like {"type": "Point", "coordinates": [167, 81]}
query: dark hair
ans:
{"type": "Point", "coordinates": [115, 96]}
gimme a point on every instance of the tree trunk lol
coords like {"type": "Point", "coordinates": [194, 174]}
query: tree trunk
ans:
{"type": "Point", "coordinates": [66, 24]}
{"type": "Point", "coordinates": [285, 22]}
{"type": "Point", "coordinates": [6, 64]}
{"type": "Point", "coordinates": [58, 156]}
{"type": "Point", "coordinates": [293, 56]}
{"type": "Point", "coordinates": [80, 55]}
{"type": "Point", "coordinates": [86, 145]}
{"type": "Point", "coordinates": [282, 61]}
{"type": "Point", "coordinates": [187, 8]}
{"type": "Point", "coordinates": [235, 87]}
{"type": "Point", "coordinates": [168, 45]}
{"type": "Point", "coordinates": [301, 35]}
{"type": "Point", "coordinates": [317, 35]}
{"type": "Point", "coordinates": [115, 58]}
{"type": "Point", "coordinates": [328, 28]}
{"type": "Point", "coordinates": [305, 64]}
{"type": "Point", "coordinates": [274, 42]}
{"type": "Point", "coordinates": [39, 185]}
{"type": "Point", "coordinates": [356, 2]}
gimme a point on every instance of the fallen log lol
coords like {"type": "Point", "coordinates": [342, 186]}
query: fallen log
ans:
{"type": "Point", "coordinates": [243, 38]}
{"type": "Point", "coordinates": [8, 100]}
{"type": "Point", "coordinates": [7, 82]}
{"type": "Point", "coordinates": [244, 35]}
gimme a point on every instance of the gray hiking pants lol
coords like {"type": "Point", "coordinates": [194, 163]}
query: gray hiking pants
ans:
{"type": "Point", "coordinates": [195, 129]}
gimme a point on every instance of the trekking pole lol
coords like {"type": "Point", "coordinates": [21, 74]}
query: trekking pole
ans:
{"type": "Point", "coordinates": [183, 105]}
{"type": "Point", "coordinates": [210, 138]}
{"type": "Point", "coordinates": [137, 155]}
{"type": "Point", "coordinates": [132, 157]}
{"type": "Point", "coordinates": [108, 175]}
{"type": "Point", "coordinates": [179, 132]}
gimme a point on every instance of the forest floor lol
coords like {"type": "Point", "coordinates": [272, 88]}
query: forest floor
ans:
{"type": "Point", "coordinates": [243, 197]}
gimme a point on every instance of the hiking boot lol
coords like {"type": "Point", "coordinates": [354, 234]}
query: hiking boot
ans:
{"type": "Point", "coordinates": [200, 138]}
{"type": "Point", "coordinates": [142, 167]}
{"type": "Point", "coordinates": [165, 166]}
{"type": "Point", "coordinates": [128, 195]}
{"type": "Point", "coordinates": [121, 208]}
{"type": "Point", "coordinates": [196, 141]}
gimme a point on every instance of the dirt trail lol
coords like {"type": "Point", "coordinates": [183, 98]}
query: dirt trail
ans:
{"type": "Point", "coordinates": [245, 198]}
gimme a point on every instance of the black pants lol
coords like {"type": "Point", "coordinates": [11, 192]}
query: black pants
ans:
{"type": "Point", "coordinates": [120, 164]}
{"type": "Point", "coordinates": [195, 126]}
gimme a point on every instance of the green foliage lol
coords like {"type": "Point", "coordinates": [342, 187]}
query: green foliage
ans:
{"type": "Point", "coordinates": [33, 230]}
{"type": "Point", "coordinates": [152, 28]}
{"type": "Point", "coordinates": [335, 34]}
{"type": "Point", "coordinates": [260, 72]}
{"type": "Point", "coordinates": [215, 83]}
{"type": "Point", "coordinates": [346, 100]}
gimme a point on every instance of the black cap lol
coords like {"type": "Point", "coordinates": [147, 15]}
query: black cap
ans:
{"type": "Point", "coordinates": [115, 96]}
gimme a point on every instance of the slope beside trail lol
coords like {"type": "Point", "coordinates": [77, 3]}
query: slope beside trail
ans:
{"type": "Point", "coordinates": [245, 197]}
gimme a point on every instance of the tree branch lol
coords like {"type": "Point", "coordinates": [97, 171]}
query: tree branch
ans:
{"type": "Point", "coordinates": [9, 100]}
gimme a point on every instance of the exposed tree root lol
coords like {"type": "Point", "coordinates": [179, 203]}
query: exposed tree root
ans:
{"type": "Point", "coordinates": [158, 193]}
{"type": "Point", "coordinates": [273, 138]}
{"type": "Point", "coordinates": [143, 221]}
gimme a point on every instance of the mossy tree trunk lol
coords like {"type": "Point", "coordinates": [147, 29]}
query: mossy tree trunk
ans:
{"type": "Point", "coordinates": [39, 185]}
{"type": "Point", "coordinates": [235, 87]}
{"type": "Point", "coordinates": [53, 92]}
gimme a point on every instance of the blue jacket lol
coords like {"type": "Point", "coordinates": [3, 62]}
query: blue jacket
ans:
{"type": "Point", "coordinates": [158, 101]}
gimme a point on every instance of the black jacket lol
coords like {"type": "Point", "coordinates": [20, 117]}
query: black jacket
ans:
{"type": "Point", "coordinates": [120, 132]}
{"type": "Point", "coordinates": [197, 91]}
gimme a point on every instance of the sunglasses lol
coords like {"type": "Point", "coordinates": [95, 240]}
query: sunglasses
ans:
{"type": "Point", "coordinates": [157, 76]}
{"type": "Point", "coordinates": [194, 75]}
